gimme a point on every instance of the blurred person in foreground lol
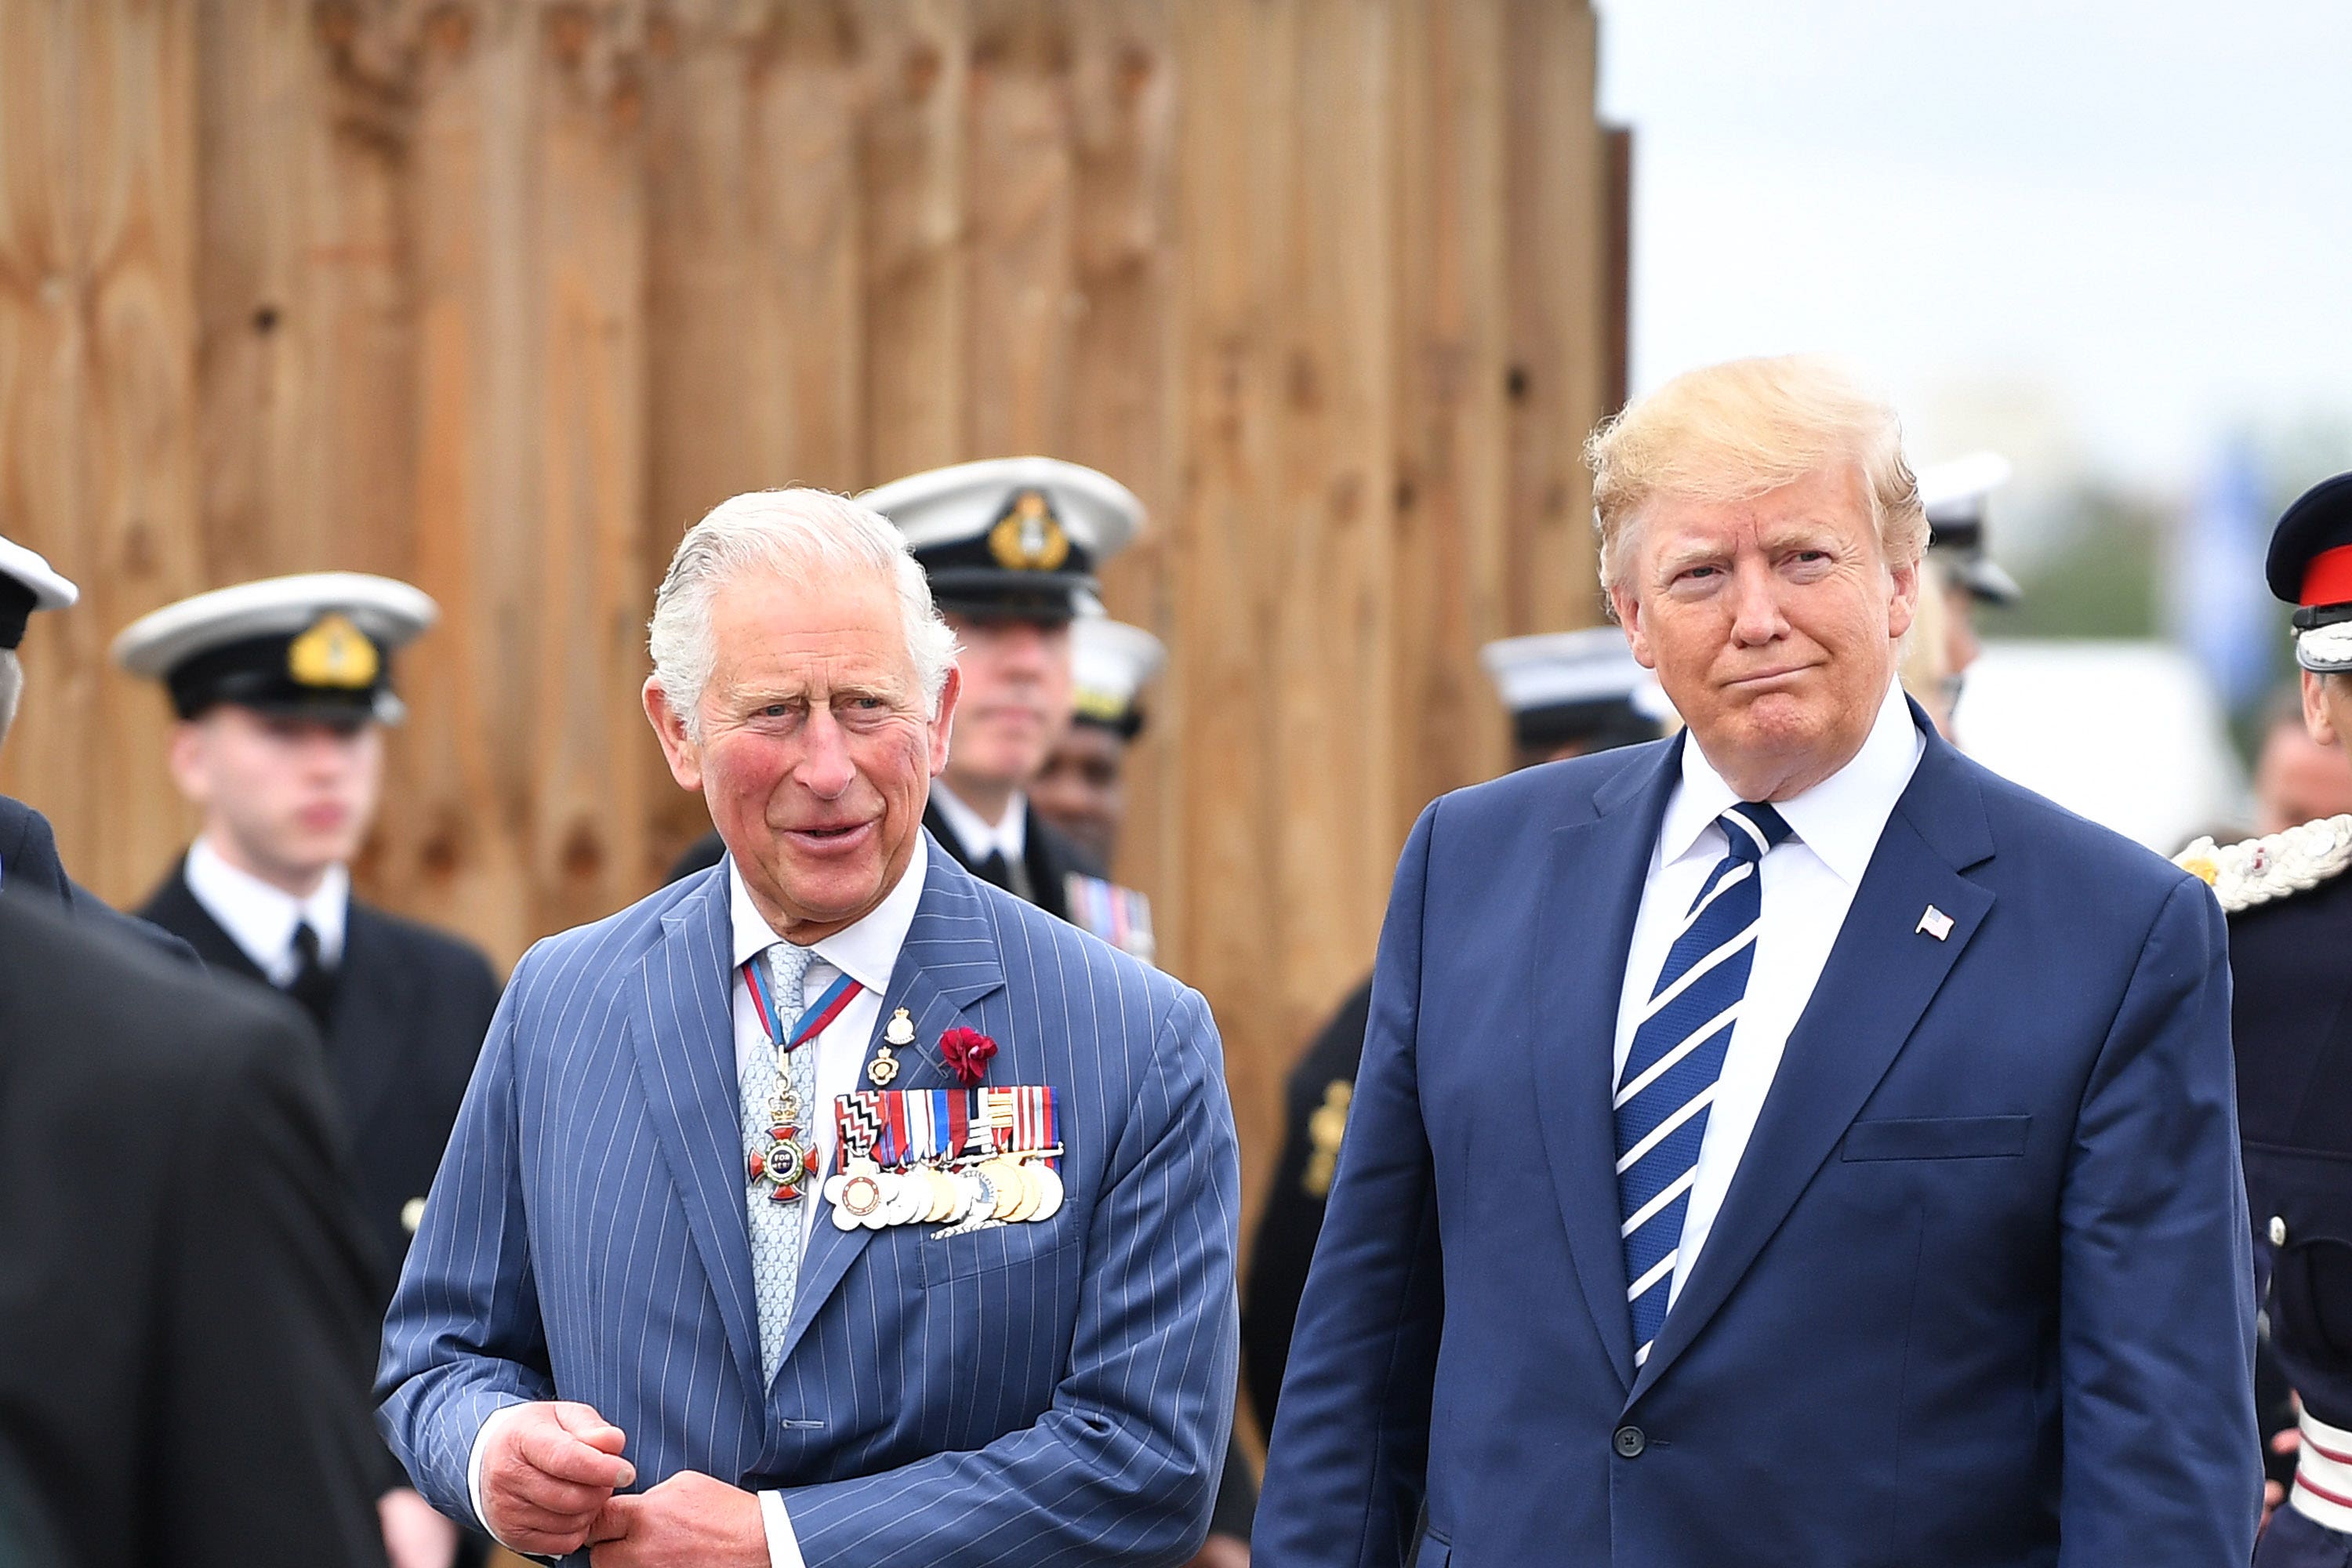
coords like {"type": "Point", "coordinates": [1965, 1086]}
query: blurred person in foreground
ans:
{"type": "Point", "coordinates": [1797, 1144]}
{"type": "Point", "coordinates": [1010, 546]}
{"type": "Point", "coordinates": [282, 690]}
{"type": "Point", "coordinates": [1570, 694]}
{"type": "Point", "coordinates": [184, 1285]}
{"type": "Point", "coordinates": [2290, 911]}
{"type": "Point", "coordinates": [831, 1206]}
{"type": "Point", "coordinates": [1082, 788]}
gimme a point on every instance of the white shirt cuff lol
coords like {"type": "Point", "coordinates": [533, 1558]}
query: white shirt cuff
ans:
{"type": "Point", "coordinates": [474, 1468]}
{"type": "Point", "coordinates": [784, 1546]}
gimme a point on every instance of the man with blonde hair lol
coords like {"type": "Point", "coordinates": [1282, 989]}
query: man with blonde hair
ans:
{"type": "Point", "coordinates": [829, 1205]}
{"type": "Point", "coordinates": [1789, 1142]}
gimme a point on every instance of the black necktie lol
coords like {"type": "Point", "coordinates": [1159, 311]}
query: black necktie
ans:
{"type": "Point", "coordinates": [995, 871]}
{"type": "Point", "coordinates": [313, 984]}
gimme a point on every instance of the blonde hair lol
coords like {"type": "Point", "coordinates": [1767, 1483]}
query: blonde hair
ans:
{"type": "Point", "coordinates": [1734, 431]}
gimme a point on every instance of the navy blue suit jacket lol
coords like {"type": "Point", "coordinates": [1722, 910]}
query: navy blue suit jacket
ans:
{"type": "Point", "coordinates": [1055, 1393]}
{"type": "Point", "coordinates": [1979, 1294]}
{"type": "Point", "coordinates": [29, 863]}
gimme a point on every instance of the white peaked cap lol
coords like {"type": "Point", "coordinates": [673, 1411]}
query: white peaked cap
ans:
{"type": "Point", "coordinates": [51, 590]}
{"type": "Point", "coordinates": [1111, 663]}
{"type": "Point", "coordinates": [389, 611]}
{"type": "Point", "coordinates": [1553, 669]}
{"type": "Point", "coordinates": [941, 506]}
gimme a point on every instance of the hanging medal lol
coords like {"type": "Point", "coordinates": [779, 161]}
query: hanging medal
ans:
{"type": "Point", "coordinates": [787, 1159]}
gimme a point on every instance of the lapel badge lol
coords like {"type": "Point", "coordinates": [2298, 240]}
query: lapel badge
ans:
{"type": "Point", "coordinates": [1935, 922]}
{"type": "Point", "coordinates": [901, 1031]}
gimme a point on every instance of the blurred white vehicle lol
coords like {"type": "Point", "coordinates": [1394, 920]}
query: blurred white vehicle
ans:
{"type": "Point", "coordinates": [2129, 734]}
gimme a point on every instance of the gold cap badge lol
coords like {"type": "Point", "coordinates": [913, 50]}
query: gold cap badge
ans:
{"type": "Point", "coordinates": [333, 653]}
{"type": "Point", "coordinates": [1029, 537]}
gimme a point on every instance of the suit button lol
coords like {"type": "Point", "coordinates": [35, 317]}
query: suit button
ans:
{"type": "Point", "coordinates": [1631, 1442]}
{"type": "Point", "coordinates": [2278, 1231]}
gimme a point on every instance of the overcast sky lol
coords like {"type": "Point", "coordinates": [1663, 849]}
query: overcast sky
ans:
{"type": "Point", "coordinates": [2099, 235]}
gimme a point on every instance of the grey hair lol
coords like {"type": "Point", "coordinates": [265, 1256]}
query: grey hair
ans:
{"type": "Point", "coordinates": [12, 687]}
{"type": "Point", "coordinates": [806, 537]}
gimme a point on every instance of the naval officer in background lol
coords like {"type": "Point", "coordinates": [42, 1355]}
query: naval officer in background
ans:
{"type": "Point", "coordinates": [282, 690]}
{"type": "Point", "coordinates": [1082, 789]}
{"type": "Point", "coordinates": [1011, 546]}
{"type": "Point", "coordinates": [1794, 1142]}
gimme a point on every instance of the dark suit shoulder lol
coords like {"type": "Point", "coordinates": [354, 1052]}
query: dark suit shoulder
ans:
{"type": "Point", "coordinates": [1552, 792]}
{"type": "Point", "coordinates": [2029, 824]}
{"type": "Point", "coordinates": [28, 851]}
{"type": "Point", "coordinates": [115, 985]}
{"type": "Point", "coordinates": [606, 951]}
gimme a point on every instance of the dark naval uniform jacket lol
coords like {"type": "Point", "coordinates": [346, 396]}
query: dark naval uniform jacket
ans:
{"type": "Point", "coordinates": [1315, 1110]}
{"type": "Point", "coordinates": [2291, 1016]}
{"type": "Point", "coordinates": [2291, 1024]}
{"type": "Point", "coordinates": [1048, 854]}
{"type": "Point", "coordinates": [411, 1007]}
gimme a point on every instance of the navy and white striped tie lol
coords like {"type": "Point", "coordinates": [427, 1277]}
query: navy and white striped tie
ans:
{"type": "Point", "coordinates": [1670, 1075]}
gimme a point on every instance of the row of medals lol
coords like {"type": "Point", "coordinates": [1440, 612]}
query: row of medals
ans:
{"type": "Point", "coordinates": [960, 1194]}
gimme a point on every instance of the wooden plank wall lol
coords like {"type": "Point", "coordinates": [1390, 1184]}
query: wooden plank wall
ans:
{"type": "Point", "coordinates": [500, 295]}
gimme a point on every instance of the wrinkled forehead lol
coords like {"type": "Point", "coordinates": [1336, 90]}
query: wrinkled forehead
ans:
{"type": "Point", "coordinates": [1830, 504]}
{"type": "Point", "coordinates": [767, 624]}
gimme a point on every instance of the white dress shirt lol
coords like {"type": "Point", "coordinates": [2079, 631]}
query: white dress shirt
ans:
{"type": "Point", "coordinates": [978, 837]}
{"type": "Point", "coordinates": [261, 919]}
{"type": "Point", "coordinates": [866, 953]}
{"type": "Point", "coordinates": [1808, 883]}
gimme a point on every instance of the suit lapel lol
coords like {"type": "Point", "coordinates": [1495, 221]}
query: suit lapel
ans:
{"type": "Point", "coordinates": [682, 1027]}
{"type": "Point", "coordinates": [1880, 975]}
{"type": "Point", "coordinates": [949, 962]}
{"type": "Point", "coordinates": [1591, 891]}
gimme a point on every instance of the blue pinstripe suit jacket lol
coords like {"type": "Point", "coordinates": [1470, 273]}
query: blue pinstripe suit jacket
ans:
{"type": "Point", "coordinates": [1037, 1393]}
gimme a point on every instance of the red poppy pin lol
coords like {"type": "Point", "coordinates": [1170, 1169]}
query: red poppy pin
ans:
{"type": "Point", "coordinates": [968, 1052]}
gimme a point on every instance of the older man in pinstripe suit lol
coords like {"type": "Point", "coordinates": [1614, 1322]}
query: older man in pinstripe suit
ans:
{"type": "Point", "coordinates": [608, 1337]}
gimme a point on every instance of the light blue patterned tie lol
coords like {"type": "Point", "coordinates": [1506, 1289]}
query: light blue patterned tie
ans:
{"type": "Point", "coordinates": [1670, 1075]}
{"type": "Point", "coordinates": [776, 1227]}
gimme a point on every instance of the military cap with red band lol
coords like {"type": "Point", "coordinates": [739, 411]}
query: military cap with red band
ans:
{"type": "Point", "coordinates": [2310, 567]}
